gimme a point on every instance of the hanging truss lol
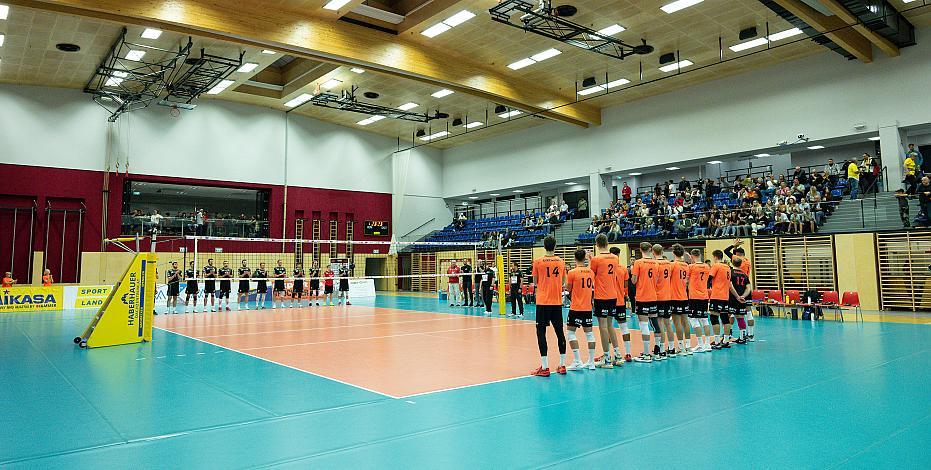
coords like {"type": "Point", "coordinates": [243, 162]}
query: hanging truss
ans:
{"type": "Point", "coordinates": [204, 73]}
{"type": "Point", "coordinates": [125, 82]}
{"type": "Point", "coordinates": [346, 101]}
{"type": "Point", "coordinates": [545, 21]}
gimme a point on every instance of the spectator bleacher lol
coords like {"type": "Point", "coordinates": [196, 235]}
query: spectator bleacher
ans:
{"type": "Point", "coordinates": [485, 231]}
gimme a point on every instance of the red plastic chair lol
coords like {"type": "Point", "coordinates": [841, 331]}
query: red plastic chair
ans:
{"type": "Point", "coordinates": [774, 300]}
{"type": "Point", "coordinates": [831, 300]}
{"type": "Point", "coordinates": [794, 296]}
{"type": "Point", "coordinates": [851, 300]}
{"type": "Point", "coordinates": [758, 296]}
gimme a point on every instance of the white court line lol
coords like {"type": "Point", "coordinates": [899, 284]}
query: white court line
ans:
{"type": "Point", "coordinates": [292, 320]}
{"type": "Point", "coordinates": [280, 364]}
{"type": "Point", "coordinates": [328, 327]}
{"type": "Point", "coordinates": [377, 337]}
{"type": "Point", "coordinates": [467, 386]}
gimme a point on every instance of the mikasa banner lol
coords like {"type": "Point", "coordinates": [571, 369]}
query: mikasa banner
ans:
{"type": "Point", "coordinates": [30, 299]}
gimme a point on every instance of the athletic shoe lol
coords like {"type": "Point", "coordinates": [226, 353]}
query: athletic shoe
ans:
{"type": "Point", "coordinates": [750, 338]}
{"type": "Point", "coordinates": [599, 359]}
{"type": "Point", "coordinates": [318, 304]}
{"type": "Point", "coordinates": [661, 356]}
{"type": "Point", "coordinates": [228, 309]}
{"type": "Point", "coordinates": [590, 365]}
{"type": "Point", "coordinates": [671, 353]}
{"type": "Point", "coordinates": [688, 351]}
{"type": "Point", "coordinates": [348, 303]}
{"type": "Point", "coordinates": [452, 305]}
{"type": "Point", "coordinates": [618, 362]}
{"type": "Point", "coordinates": [561, 370]}
{"type": "Point", "coordinates": [576, 365]}
{"type": "Point", "coordinates": [656, 350]}
{"type": "Point", "coordinates": [740, 341]}
{"type": "Point", "coordinates": [715, 346]}
{"type": "Point", "coordinates": [627, 358]}
{"type": "Point", "coordinates": [725, 345]}
{"type": "Point", "coordinates": [541, 372]}
{"type": "Point", "coordinates": [521, 316]}
{"type": "Point", "coordinates": [605, 364]}
{"type": "Point", "coordinates": [644, 358]}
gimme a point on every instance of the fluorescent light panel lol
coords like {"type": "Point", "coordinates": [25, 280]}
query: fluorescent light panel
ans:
{"type": "Point", "coordinates": [761, 155]}
{"type": "Point", "coordinates": [299, 100]}
{"type": "Point", "coordinates": [785, 34]}
{"type": "Point", "coordinates": [673, 168]}
{"type": "Point", "coordinates": [679, 5]}
{"type": "Point", "coordinates": [612, 30]}
{"type": "Point", "coordinates": [636, 173]}
{"type": "Point", "coordinates": [494, 194]}
{"type": "Point", "coordinates": [134, 55]}
{"type": "Point", "coordinates": [247, 67]}
{"type": "Point", "coordinates": [357, 70]}
{"type": "Point", "coordinates": [436, 30]}
{"type": "Point", "coordinates": [330, 84]}
{"type": "Point", "coordinates": [539, 57]}
{"type": "Point", "coordinates": [511, 113]}
{"type": "Point", "coordinates": [676, 66]}
{"type": "Point", "coordinates": [2, 37]}
{"type": "Point", "coordinates": [4, 11]}
{"type": "Point", "coordinates": [268, 51]}
{"type": "Point", "coordinates": [370, 120]}
{"type": "Point", "coordinates": [408, 106]}
{"type": "Point", "coordinates": [874, 139]}
{"type": "Point", "coordinates": [448, 23]}
{"type": "Point", "coordinates": [517, 191]}
{"type": "Point", "coordinates": [749, 44]}
{"type": "Point", "coordinates": [442, 93]}
{"type": "Point", "coordinates": [816, 147]}
{"type": "Point", "coordinates": [335, 4]}
{"type": "Point", "coordinates": [521, 64]}
{"type": "Point", "coordinates": [474, 124]}
{"type": "Point", "coordinates": [150, 33]}
{"type": "Point", "coordinates": [219, 87]}
{"type": "Point", "coordinates": [715, 162]}
{"type": "Point", "coordinates": [435, 136]}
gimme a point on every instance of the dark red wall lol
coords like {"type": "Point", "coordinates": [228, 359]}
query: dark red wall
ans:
{"type": "Point", "coordinates": [64, 188]}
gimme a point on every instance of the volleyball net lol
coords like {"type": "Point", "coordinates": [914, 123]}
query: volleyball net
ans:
{"type": "Point", "coordinates": [376, 265]}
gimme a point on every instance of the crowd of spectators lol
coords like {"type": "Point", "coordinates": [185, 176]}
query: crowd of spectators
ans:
{"type": "Point", "coordinates": [198, 222]}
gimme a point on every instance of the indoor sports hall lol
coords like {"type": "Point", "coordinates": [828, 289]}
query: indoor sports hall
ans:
{"type": "Point", "coordinates": [448, 234]}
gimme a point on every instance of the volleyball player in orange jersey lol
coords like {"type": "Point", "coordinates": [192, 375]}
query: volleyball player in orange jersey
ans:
{"type": "Point", "coordinates": [679, 301]}
{"type": "Point", "coordinates": [663, 314]}
{"type": "Point", "coordinates": [605, 266]}
{"type": "Point", "coordinates": [698, 301]}
{"type": "Point", "coordinates": [643, 275]}
{"type": "Point", "coordinates": [581, 282]}
{"type": "Point", "coordinates": [549, 275]}
{"type": "Point", "coordinates": [620, 309]}
{"type": "Point", "coordinates": [720, 276]}
{"type": "Point", "coordinates": [47, 279]}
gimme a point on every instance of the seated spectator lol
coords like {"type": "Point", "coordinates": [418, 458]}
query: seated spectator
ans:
{"type": "Point", "coordinates": [833, 171]}
{"type": "Point", "coordinates": [582, 207]}
{"type": "Point", "coordinates": [684, 225]}
{"type": "Point", "coordinates": [701, 228]}
{"type": "Point", "coordinates": [800, 175]}
{"type": "Point", "coordinates": [564, 209]}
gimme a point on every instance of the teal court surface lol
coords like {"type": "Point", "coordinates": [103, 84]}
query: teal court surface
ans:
{"type": "Point", "coordinates": [824, 395]}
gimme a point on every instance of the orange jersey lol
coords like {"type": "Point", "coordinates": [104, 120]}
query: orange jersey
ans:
{"type": "Point", "coordinates": [698, 281]}
{"type": "Point", "coordinates": [548, 274]}
{"type": "Point", "coordinates": [680, 272]}
{"type": "Point", "coordinates": [605, 268]}
{"type": "Point", "coordinates": [581, 281]}
{"type": "Point", "coordinates": [47, 280]}
{"type": "Point", "coordinates": [721, 281]}
{"type": "Point", "coordinates": [622, 276]}
{"type": "Point", "coordinates": [7, 282]}
{"type": "Point", "coordinates": [664, 272]}
{"type": "Point", "coordinates": [645, 270]}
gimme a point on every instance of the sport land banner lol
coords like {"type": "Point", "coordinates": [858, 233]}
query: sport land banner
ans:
{"type": "Point", "coordinates": [126, 315]}
{"type": "Point", "coordinates": [31, 299]}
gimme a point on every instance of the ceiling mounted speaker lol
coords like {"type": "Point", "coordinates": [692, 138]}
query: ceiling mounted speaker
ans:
{"type": "Point", "coordinates": [500, 109]}
{"type": "Point", "coordinates": [440, 115]}
{"type": "Point", "coordinates": [421, 133]}
{"type": "Point", "coordinates": [748, 33]}
{"type": "Point", "coordinates": [565, 10]}
{"type": "Point", "coordinates": [667, 58]}
{"type": "Point", "coordinates": [457, 122]}
{"type": "Point", "coordinates": [589, 82]}
{"type": "Point", "coordinates": [67, 47]}
{"type": "Point", "coordinates": [643, 49]}
{"type": "Point", "coordinates": [370, 94]}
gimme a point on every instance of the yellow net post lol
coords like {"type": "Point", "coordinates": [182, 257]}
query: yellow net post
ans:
{"type": "Point", "coordinates": [126, 316]}
{"type": "Point", "coordinates": [502, 276]}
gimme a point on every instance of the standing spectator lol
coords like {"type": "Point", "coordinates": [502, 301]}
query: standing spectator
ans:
{"type": "Point", "coordinates": [853, 179]}
{"type": "Point", "coordinates": [911, 180]}
{"type": "Point", "coordinates": [581, 208]}
{"type": "Point", "coordinates": [625, 192]}
{"type": "Point", "coordinates": [924, 199]}
{"type": "Point", "coordinates": [833, 171]}
{"type": "Point", "coordinates": [684, 184]}
{"type": "Point", "coordinates": [919, 158]}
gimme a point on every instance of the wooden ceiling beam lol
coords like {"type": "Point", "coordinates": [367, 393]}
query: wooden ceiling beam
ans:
{"type": "Point", "coordinates": [293, 87]}
{"type": "Point", "coordinates": [885, 45]}
{"type": "Point", "coordinates": [836, 29]}
{"type": "Point", "coordinates": [419, 18]}
{"type": "Point", "coordinates": [298, 33]}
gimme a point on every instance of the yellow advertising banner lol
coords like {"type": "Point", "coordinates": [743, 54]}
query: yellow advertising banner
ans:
{"type": "Point", "coordinates": [30, 298]}
{"type": "Point", "coordinates": [91, 296]}
{"type": "Point", "coordinates": [126, 314]}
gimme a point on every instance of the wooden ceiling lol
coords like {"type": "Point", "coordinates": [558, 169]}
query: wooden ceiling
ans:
{"type": "Point", "coordinates": [28, 56]}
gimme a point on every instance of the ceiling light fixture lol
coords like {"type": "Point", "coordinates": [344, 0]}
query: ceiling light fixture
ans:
{"type": "Point", "coordinates": [761, 155]}
{"type": "Point", "coordinates": [676, 66]}
{"type": "Point", "coordinates": [4, 11]}
{"type": "Point", "coordinates": [442, 93]}
{"type": "Point", "coordinates": [299, 100]}
{"type": "Point", "coordinates": [335, 4]}
{"type": "Point", "coordinates": [636, 173]}
{"type": "Point", "coordinates": [612, 30]}
{"type": "Point", "coordinates": [510, 114]}
{"type": "Point", "coordinates": [571, 183]}
{"type": "Point", "coordinates": [785, 34]}
{"type": "Point", "coordinates": [595, 89]}
{"type": "Point", "coordinates": [2, 37]}
{"type": "Point", "coordinates": [749, 44]}
{"type": "Point", "coordinates": [539, 57]}
{"type": "Point", "coordinates": [357, 70]}
{"type": "Point", "coordinates": [370, 120]}
{"type": "Point", "coordinates": [408, 106]}
{"type": "Point", "coordinates": [874, 139]}
{"type": "Point", "coordinates": [134, 55]}
{"type": "Point", "coordinates": [816, 147]}
{"type": "Point", "coordinates": [474, 124]}
{"type": "Point", "coordinates": [473, 197]}
{"type": "Point", "coordinates": [517, 191]}
{"type": "Point", "coordinates": [494, 194]}
{"type": "Point", "coordinates": [448, 23]}
{"type": "Point", "coordinates": [268, 51]}
{"type": "Point", "coordinates": [247, 67]}
{"type": "Point", "coordinates": [679, 5]}
{"type": "Point", "coordinates": [150, 33]}
{"type": "Point", "coordinates": [434, 136]}
{"type": "Point", "coordinates": [673, 168]}
{"type": "Point", "coordinates": [330, 84]}
{"type": "Point", "coordinates": [219, 87]}
{"type": "Point", "coordinates": [715, 162]}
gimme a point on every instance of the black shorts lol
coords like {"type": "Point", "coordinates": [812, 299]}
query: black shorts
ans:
{"type": "Point", "coordinates": [663, 308]}
{"type": "Point", "coordinates": [210, 287]}
{"type": "Point", "coordinates": [680, 307]}
{"type": "Point", "coordinates": [298, 287]}
{"type": "Point", "coordinates": [327, 289]}
{"type": "Point", "coordinates": [719, 306]}
{"type": "Point", "coordinates": [279, 286]}
{"type": "Point", "coordinates": [314, 285]}
{"type": "Point", "coordinates": [579, 319]}
{"type": "Point", "coordinates": [191, 288]}
{"type": "Point", "coordinates": [604, 308]}
{"type": "Point", "coordinates": [344, 286]}
{"type": "Point", "coordinates": [173, 289]}
{"type": "Point", "coordinates": [243, 287]}
{"type": "Point", "coordinates": [645, 308]}
{"type": "Point", "coordinates": [620, 313]}
{"type": "Point", "coordinates": [261, 287]}
{"type": "Point", "coordinates": [738, 308]}
{"type": "Point", "coordinates": [224, 294]}
{"type": "Point", "coordinates": [225, 287]}
{"type": "Point", "coordinates": [547, 314]}
{"type": "Point", "coordinates": [698, 308]}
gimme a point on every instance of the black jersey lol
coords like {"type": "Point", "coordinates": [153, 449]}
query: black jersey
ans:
{"type": "Point", "coordinates": [488, 278]}
{"type": "Point", "coordinates": [517, 277]}
{"type": "Point", "coordinates": [280, 271]}
{"type": "Point", "coordinates": [466, 271]}
{"type": "Point", "coordinates": [226, 273]}
{"type": "Point", "coordinates": [313, 272]}
{"type": "Point", "coordinates": [299, 273]}
{"type": "Point", "coordinates": [171, 274]}
{"type": "Point", "coordinates": [260, 273]}
{"type": "Point", "coordinates": [190, 274]}
{"type": "Point", "coordinates": [210, 272]}
{"type": "Point", "coordinates": [243, 271]}
{"type": "Point", "coordinates": [740, 281]}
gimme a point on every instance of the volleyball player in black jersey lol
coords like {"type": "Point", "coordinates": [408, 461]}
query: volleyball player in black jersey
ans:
{"type": "Point", "coordinates": [261, 289]}
{"type": "Point", "coordinates": [278, 290]}
{"type": "Point", "coordinates": [314, 273]}
{"type": "Point", "coordinates": [244, 274]}
{"type": "Point", "coordinates": [210, 286]}
{"type": "Point", "coordinates": [191, 290]}
{"type": "Point", "coordinates": [225, 274]}
{"type": "Point", "coordinates": [468, 295]}
{"type": "Point", "coordinates": [173, 278]}
{"type": "Point", "coordinates": [297, 290]}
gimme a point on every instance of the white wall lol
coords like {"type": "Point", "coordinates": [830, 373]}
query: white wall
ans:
{"type": "Point", "coordinates": [838, 153]}
{"type": "Point", "coordinates": [822, 96]}
{"type": "Point", "coordinates": [418, 204]}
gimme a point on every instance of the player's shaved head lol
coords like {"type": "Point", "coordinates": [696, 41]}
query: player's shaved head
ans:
{"type": "Point", "coordinates": [601, 241]}
{"type": "Point", "coordinates": [657, 249]}
{"type": "Point", "coordinates": [737, 262]}
{"type": "Point", "coordinates": [645, 247]}
{"type": "Point", "coordinates": [696, 253]}
{"type": "Point", "coordinates": [580, 256]}
{"type": "Point", "coordinates": [549, 243]}
{"type": "Point", "coordinates": [717, 254]}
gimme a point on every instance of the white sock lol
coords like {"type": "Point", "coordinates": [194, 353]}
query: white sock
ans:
{"type": "Point", "coordinates": [627, 345]}
{"type": "Point", "coordinates": [575, 353]}
{"type": "Point", "coordinates": [562, 359]}
{"type": "Point", "coordinates": [750, 329]}
{"type": "Point", "coordinates": [591, 354]}
{"type": "Point", "coordinates": [545, 363]}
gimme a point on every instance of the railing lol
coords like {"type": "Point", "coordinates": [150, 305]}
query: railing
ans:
{"type": "Point", "coordinates": [176, 226]}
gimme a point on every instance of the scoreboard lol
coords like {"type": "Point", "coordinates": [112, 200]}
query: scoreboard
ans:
{"type": "Point", "coordinates": [377, 228]}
